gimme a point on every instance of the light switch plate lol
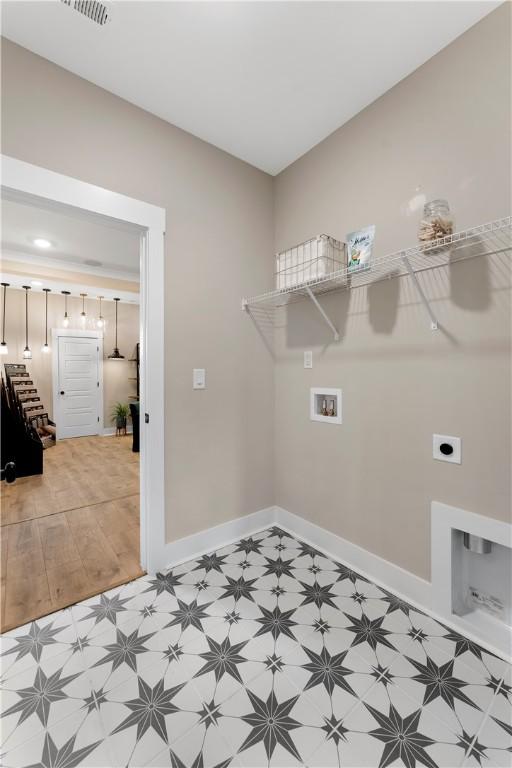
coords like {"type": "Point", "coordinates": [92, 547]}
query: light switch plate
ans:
{"type": "Point", "coordinates": [199, 378]}
{"type": "Point", "coordinates": [308, 359]}
{"type": "Point", "coordinates": [455, 457]}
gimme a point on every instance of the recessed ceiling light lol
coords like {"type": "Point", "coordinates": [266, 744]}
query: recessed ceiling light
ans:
{"type": "Point", "coordinates": [36, 283]}
{"type": "Point", "coordinates": [41, 242]}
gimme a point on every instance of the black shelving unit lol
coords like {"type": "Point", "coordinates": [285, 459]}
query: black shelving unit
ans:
{"type": "Point", "coordinates": [136, 378]}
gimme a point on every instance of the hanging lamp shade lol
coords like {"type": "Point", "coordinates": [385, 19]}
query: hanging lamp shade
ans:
{"type": "Point", "coordinates": [4, 349]}
{"type": "Point", "coordinates": [65, 319]}
{"type": "Point", "coordinates": [27, 353]}
{"type": "Point", "coordinates": [46, 348]}
{"type": "Point", "coordinates": [83, 316]}
{"type": "Point", "coordinates": [100, 322]}
{"type": "Point", "coordinates": [116, 355]}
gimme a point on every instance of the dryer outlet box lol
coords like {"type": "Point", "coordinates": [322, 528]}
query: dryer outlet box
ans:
{"type": "Point", "coordinates": [447, 448]}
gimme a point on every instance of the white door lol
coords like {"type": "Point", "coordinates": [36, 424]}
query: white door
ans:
{"type": "Point", "coordinates": [78, 387]}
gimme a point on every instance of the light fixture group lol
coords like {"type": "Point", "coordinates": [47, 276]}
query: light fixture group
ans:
{"type": "Point", "coordinates": [100, 322]}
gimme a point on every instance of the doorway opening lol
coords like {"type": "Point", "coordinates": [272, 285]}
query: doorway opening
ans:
{"type": "Point", "coordinates": [75, 521]}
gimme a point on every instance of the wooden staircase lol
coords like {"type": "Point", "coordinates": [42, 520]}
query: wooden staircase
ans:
{"type": "Point", "coordinates": [25, 398]}
{"type": "Point", "coordinates": [27, 429]}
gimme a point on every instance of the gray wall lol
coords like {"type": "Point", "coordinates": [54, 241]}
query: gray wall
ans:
{"type": "Point", "coordinates": [219, 441]}
{"type": "Point", "coordinates": [445, 128]}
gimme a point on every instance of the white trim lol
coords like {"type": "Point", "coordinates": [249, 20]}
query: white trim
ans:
{"type": "Point", "coordinates": [17, 281]}
{"type": "Point", "coordinates": [445, 519]}
{"type": "Point", "coordinates": [403, 583]}
{"type": "Point", "coordinates": [65, 265]}
{"type": "Point", "coordinates": [60, 333]}
{"type": "Point", "coordinates": [219, 536]}
{"type": "Point", "coordinates": [111, 431]}
{"type": "Point", "coordinates": [27, 180]}
{"type": "Point", "coordinates": [152, 401]}
{"type": "Point", "coordinates": [400, 582]}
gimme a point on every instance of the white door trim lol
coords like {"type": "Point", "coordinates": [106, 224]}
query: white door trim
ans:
{"type": "Point", "coordinates": [24, 179]}
{"type": "Point", "coordinates": [59, 333]}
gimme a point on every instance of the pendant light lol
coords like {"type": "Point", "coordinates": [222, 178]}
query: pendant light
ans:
{"type": "Point", "coordinates": [4, 350]}
{"type": "Point", "coordinates": [65, 321]}
{"type": "Point", "coordinates": [115, 354]}
{"type": "Point", "coordinates": [83, 316]}
{"type": "Point", "coordinates": [45, 348]}
{"type": "Point", "coordinates": [27, 354]}
{"type": "Point", "coordinates": [100, 322]}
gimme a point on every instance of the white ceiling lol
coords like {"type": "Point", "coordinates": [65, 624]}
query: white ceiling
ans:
{"type": "Point", "coordinates": [79, 243]}
{"type": "Point", "coordinates": [264, 81]}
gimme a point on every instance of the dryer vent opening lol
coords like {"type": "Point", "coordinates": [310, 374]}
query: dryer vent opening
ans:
{"type": "Point", "coordinates": [94, 10]}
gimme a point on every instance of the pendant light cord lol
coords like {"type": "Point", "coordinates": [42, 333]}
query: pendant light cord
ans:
{"type": "Point", "coordinates": [46, 320]}
{"type": "Point", "coordinates": [3, 316]}
{"type": "Point", "coordinates": [26, 317]}
{"type": "Point", "coordinates": [116, 322]}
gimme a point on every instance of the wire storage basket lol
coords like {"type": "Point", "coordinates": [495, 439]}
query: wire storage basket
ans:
{"type": "Point", "coordinates": [311, 260]}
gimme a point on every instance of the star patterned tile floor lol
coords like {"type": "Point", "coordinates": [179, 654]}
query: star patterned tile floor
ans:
{"type": "Point", "coordinates": [264, 653]}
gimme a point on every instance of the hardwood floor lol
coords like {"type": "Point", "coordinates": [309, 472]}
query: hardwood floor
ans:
{"type": "Point", "coordinates": [72, 532]}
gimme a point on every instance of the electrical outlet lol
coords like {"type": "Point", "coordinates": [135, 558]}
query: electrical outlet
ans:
{"type": "Point", "coordinates": [308, 359]}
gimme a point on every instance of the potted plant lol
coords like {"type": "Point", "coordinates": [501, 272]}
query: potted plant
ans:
{"type": "Point", "coordinates": [120, 413]}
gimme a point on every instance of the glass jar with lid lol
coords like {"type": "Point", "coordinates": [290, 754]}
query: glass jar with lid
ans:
{"type": "Point", "coordinates": [437, 221]}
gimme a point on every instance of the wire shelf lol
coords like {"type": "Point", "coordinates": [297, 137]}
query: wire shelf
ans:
{"type": "Point", "coordinates": [483, 240]}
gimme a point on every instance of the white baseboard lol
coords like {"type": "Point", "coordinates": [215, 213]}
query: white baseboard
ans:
{"type": "Point", "coordinates": [190, 547]}
{"type": "Point", "coordinates": [405, 584]}
{"type": "Point", "coordinates": [402, 583]}
{"type": "Point", "coordinates": [111, 431]}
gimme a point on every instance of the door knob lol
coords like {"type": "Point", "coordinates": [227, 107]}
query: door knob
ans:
{"type": "Point", "coordinates": [62, 392]}
{"type": "Point", "coordinates": [8, 473]}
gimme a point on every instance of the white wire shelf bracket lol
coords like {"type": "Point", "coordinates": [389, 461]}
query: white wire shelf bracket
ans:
{"type": "Point", "coordinates": [488, 239]}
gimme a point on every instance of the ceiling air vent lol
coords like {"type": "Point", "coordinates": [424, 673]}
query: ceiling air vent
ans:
{"type": "Point", "coordinates": [94, 10]}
